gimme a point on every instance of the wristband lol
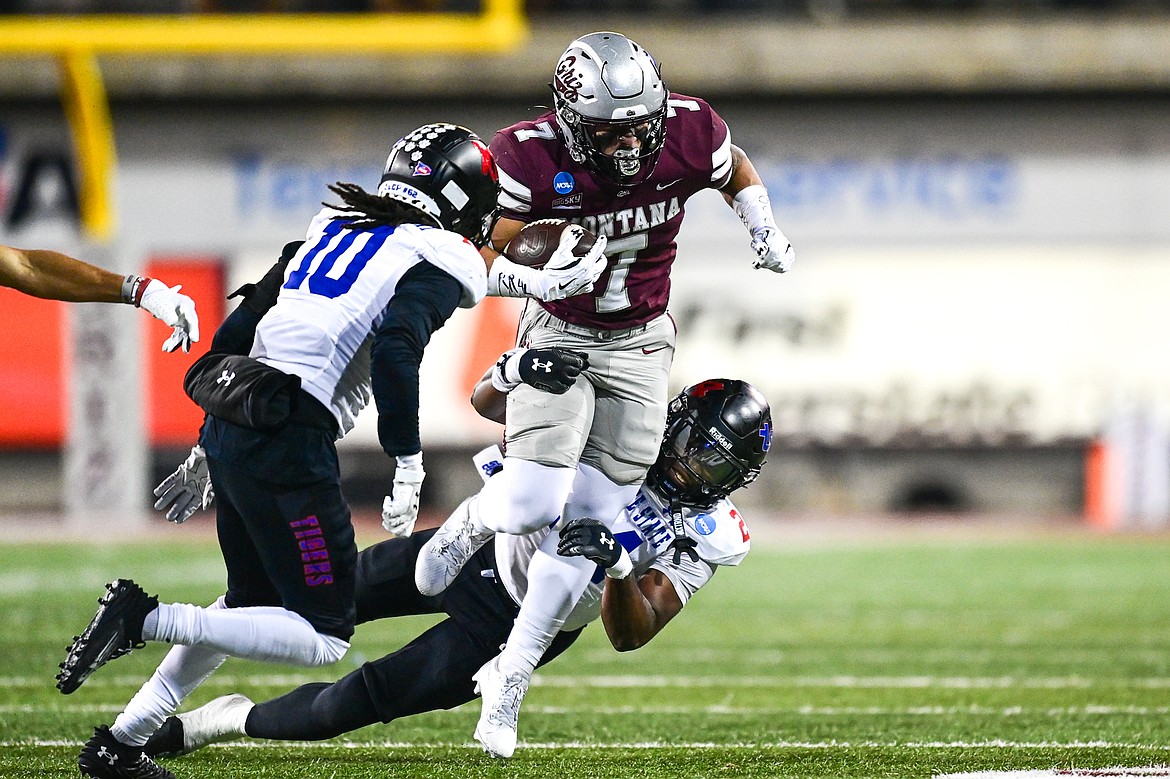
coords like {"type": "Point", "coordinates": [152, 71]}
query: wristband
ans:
{"type": "Point", "coordinates": [409, 460]}
{"type": "Point", "coordinates": [506, 279]}
{"type": "Point", "coordinates": [506, 374]}
{"type": "Point", "coordinates": [622, 568]}
{"type": "Point", "coordinates": [132, 288]}
{"type": "Point", "coordinates": [754, 209]}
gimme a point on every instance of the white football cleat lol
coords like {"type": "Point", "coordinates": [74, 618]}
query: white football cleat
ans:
{"type": "Point", "coordinates": [220, 720]}
{"type": "Point", "coordinates": [442, 557]}
{"type": "Point", "coordinates": [500, 712]}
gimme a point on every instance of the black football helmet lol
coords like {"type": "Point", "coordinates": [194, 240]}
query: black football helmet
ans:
{"type": "Point", "coordinates": [717, 435]}
{"type": "Point", "coordinates": [446, 172]}
{"type": "Point", "coordinates": [605, 87]}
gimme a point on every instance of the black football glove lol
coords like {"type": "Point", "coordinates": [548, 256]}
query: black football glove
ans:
{"type": "Point", "coordinates": [590, 539]}
{"type": "Point", "coordinates": [551, 370]}
{"type": "Point", "coordinates": [261, 296]}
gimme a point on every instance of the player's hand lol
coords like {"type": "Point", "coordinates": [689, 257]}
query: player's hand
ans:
{"type": "Point", "coordinates": [261, 296]}
{"type": "Point", "coordinates": [187, 489]}
{"type": "Point", "coordinates": [400, 508]}
{"type": "Point", "coordinates": [592, 540]}
{"type": "Point", "coordinates": [552, 370]}
{"type": "Point", "coordinates": [566, 274]}
{"type": "Point", "coordinates": [176, 310]}
{"type": "Point", "coordinates": [773, 250]}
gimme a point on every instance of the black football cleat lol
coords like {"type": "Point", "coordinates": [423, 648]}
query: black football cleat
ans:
{"type": "Point", "coordinates": [104, 757]}
{"type": "Point", "coordinates": [167, 741]}
{"type": "Point", "coordinates": [115, 630]}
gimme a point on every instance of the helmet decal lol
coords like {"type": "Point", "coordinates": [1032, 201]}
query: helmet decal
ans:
{"type": "Point", "coordinates": [487, 165]}
{"type": "Point", "coordinates": [766, 434]}
{"type": "Point", "coordinates": [567, 81]}
{"type": "Point", "coordinates": [421, 169]}
{"type": "Point", "coordinates": [703, 387]}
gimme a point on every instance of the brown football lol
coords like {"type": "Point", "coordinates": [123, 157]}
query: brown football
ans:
{"type": "Point", "coordinates": [536, 242]}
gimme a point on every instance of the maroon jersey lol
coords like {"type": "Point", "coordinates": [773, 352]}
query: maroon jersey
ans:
{"type": "Point", "coordinates": [539, 180]}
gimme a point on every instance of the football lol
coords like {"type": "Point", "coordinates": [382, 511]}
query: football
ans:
{"type": "Point", "coordinates": [536, 242]}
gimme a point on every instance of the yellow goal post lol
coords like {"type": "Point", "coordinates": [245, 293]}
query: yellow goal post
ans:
{"type": "Point", "coordinates": [76, 42]}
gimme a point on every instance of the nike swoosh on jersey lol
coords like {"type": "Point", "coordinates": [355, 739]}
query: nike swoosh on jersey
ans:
{"type": "Point", "coordinates": [661, 187]}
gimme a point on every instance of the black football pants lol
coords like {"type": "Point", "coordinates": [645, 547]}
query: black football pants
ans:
{"type": "Point", "coordinates": [431, 672]}
{"type": "Point", "coordinates": [284, 528]}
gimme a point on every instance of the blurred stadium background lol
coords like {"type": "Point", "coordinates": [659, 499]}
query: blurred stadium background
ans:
{"type": "Point", "coordinates": [978, 190]}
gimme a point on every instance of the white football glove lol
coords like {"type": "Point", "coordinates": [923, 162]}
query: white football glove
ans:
{"type": "Point", "coordinates": [400, 508]}
{"type": "Point", "coordinates": [176, 310]}
{"type": "Point", "coordinates": [773, 250]}
{"type": "Point", "coordinates": [565, 275]}
{"type": "Point", "coordinates": [187, 489]}
{"type": "Point", "coordinates": [569, 274]}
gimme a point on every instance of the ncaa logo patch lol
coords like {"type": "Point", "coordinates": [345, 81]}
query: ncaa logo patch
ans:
{"type": "Point", "coordinates": [705, 524]}
{"type": "Point", "coordinates": [563, 183]}
{"type": "Point", "coordinates": [421, 169]}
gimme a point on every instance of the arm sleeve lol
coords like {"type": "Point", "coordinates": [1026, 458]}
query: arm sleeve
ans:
{"type": "Point", "coordinates": [423, 301]}
{"type": "Point", "coordinates": [237, 332]}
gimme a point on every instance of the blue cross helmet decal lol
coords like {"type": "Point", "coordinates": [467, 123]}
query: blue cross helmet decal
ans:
{"type": "Point", "coordinates": [766, 434]}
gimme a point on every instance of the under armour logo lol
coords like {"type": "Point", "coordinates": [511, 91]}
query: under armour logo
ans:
{"type": "Point", "coordinates": [537, 365]}
{"type": "Point", "coordinates": [226, 377]}
{"type": "Point", "coordinates": [607, 542]}
{"type": "Point", "coordinates": [110, 757]}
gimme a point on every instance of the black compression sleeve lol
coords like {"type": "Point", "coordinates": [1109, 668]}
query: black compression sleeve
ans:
{"type": "Point", "coordinates": [314, 711]}
{"type": "Point", "coordinates": [423, 301]}
{"type": "Point", "coordinates": [237, 332]}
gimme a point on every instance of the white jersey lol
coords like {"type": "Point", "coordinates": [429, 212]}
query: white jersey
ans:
{"type": "Point", "coordinates": [335, 295]}
{"type": "Point", "coordinates": [644, 529]}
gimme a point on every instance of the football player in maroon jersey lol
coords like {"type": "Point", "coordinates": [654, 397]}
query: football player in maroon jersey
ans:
{"type": "Point", "coordinates": [619, 155]}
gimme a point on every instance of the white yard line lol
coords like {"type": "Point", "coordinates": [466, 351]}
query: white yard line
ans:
{"type": "Point", "coordinates": [718, 709]}
{"type": "Point", "coordinates": [827, 745]}
{"type": "Point", "coordinates": [659, 681]}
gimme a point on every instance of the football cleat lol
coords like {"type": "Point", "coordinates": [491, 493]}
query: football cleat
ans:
{"type": "Point", "coordinates": [104, 757]}
{"type": "Point", "coordinates": [500, 711]}
{"type": "Point", "coordinates": [220, 720]}
{"type": "Point", "coordinates": [115, 630]}
{"type": "Point", "coordinates": [442, 557]}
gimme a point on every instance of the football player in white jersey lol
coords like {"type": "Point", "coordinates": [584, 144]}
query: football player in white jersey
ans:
{"type": "Point", "coordinates": [360, 299]}
{"type": "Point", "coordinates": [715, 442]}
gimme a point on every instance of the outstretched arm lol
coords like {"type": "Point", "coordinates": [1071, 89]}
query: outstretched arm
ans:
{"type": "Point", "coordinates": [56, 276]}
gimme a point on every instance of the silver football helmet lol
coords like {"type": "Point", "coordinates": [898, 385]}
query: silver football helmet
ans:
{"type": "Point", "coordinates": [610, 103]}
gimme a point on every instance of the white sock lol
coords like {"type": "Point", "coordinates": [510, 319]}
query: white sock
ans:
{"type": "Point", "coordinates": [596, 496]}
{"type": "Point", "coordinates": [182, 670]}
{"type": "Point", "coordinates": [265, 633]}
{"type": "Point", "coordinates": [555, 584]}
{"type": "Point", "coordinates": [524, 496]}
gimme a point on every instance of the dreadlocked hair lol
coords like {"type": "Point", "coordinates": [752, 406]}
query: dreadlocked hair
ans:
{"type": "Point", "coordinates": [373, 210]}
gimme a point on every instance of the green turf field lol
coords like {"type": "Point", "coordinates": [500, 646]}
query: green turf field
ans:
{"type": "Point", "coordinates": [900, 660]}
